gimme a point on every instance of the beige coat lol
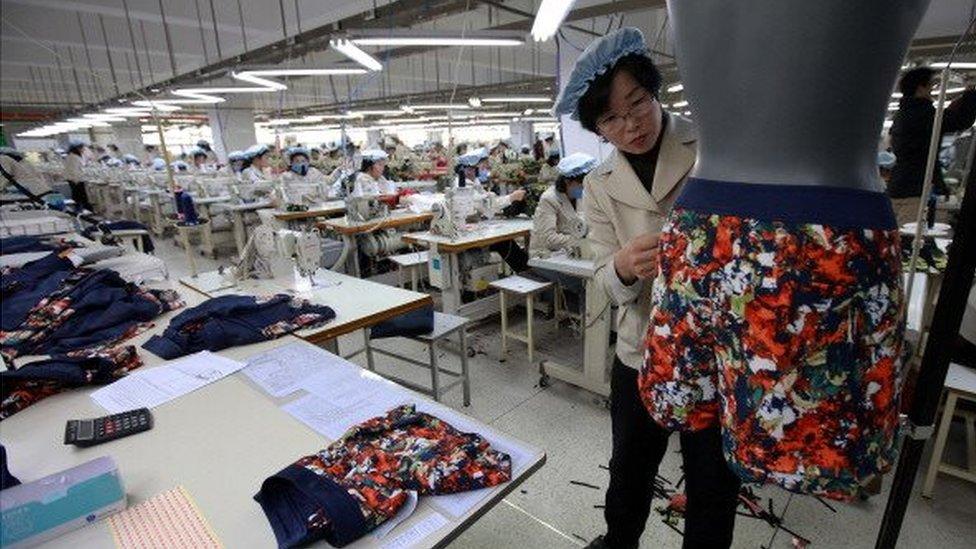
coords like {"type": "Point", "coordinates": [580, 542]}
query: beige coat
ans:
{"type": "Point", "coordinates": [553, 222]}
{"type": "Point", "coordinates": [618, 208]}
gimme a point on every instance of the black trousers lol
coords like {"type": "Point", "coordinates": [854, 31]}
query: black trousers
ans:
{"type": "Point", "coordinates": [80, 195]}
{"type": "Point", "coordinates": [513, 254]}
{"type": "Point", "coordinates": [639, 444]}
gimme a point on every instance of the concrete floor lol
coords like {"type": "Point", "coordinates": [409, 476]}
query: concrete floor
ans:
{"type": "Point", "coordinates": [573, 427]}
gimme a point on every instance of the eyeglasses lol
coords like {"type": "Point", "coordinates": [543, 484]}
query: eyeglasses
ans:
{"type": "Point", "coordinates": [615, 123]}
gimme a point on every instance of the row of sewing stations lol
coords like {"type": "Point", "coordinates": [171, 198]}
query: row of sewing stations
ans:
{"type": "Point", "coordinates": [284, 250]}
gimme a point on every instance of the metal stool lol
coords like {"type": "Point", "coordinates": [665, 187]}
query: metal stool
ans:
{"type": "Point", "coordinates": [527, 287]}
{"type": "Point", "coordinates": [413, 263]}
{"type": "Point", "coordinates": [444, 326]}
{"type": "Point", "coordinates": [960, 384]}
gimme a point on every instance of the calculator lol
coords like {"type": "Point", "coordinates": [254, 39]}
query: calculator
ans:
{"type": "Point", "coordinates": [89, 432]}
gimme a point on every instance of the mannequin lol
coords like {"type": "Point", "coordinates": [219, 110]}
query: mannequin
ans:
{"type": "Point", "coordinates": [778, 93]}
{"type": "Point", "coordinates": [777, 306]}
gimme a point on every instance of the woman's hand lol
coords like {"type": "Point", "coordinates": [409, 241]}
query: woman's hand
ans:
{"type": "Point", "coordinates": [517, 195]}
{"type": "Point", "coordinates": [637, 260]}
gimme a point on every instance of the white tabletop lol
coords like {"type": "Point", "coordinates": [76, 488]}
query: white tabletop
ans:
{"type": "Point", "coordinates": [562, 263]}
{"type": "Point", "coordinates": [220, 442]}
{"type": "Point", "coordinates": [476, 234]}
{"type": "Point", "coordinates": [357, 303]}
{"type": "Point", "coordinates": [314, 210]}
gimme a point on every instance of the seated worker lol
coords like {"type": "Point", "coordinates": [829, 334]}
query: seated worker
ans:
{"type": "Point", "coordinates": [235, 163]}
{"type": "Point", "coordinates": [467, 170]}
{"type": "Point", "coordinates": [548, 171]}
{"type": "Point", "coordinates": [201, 161]}
{"type": "Point", "coordinates": [255, 164]}
{"type": "Point", "coordinates": [557, 213]}
{"type": "Point", "coordinates": [369, 180]}
{"type": "Point", "coordinates": [300, 169]}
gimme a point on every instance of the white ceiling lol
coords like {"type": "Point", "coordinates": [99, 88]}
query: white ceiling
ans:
{"type": "Point", "coordinates": [37, 35]}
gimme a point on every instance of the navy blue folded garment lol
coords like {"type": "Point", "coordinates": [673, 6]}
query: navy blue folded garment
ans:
{"type": "Point", "coordinates": [6, 479]}
{"type": "Point", "coordinates": [22, 244]}
{"type": "Point", "coordinates": [34, 381]}
{"type": "Point", "coordinates": [70, 310]}
{"type": "Point", "coordinates": [414, 323]}
{"type": "Point", "coordinates": [233, 320]}
{"type": "Point", "coordinates": [21, 289]}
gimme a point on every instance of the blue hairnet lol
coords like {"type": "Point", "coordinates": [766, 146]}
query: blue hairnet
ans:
{"type": "Point", "coordinates": [159, 164]}
{"type": "Point", "coordinates": [886, 159]}
{"type": "Point", "coordinates": [255, 151]}
{"type": "Point", "coordinates": [374, 154]}
{"type": "Point", "coordinates": [234, 156]}
{"type": "Point", "coordinates": [130, 159]}
{"type": "Point", "coordinates": [576, 165]}
{"type": "Point", "coordinates": [599, 57]}
{"type": "Point", "coordinates": [197, 151]}
{"type": "Point", "coordinates": [292, 151]}
{"type": "Point", "coordinates": [472, 158]}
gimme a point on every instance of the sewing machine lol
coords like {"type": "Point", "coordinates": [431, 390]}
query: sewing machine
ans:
{"type": "Point", "coordinates": [361, 209]}
{"type": "Point", "coordinates": [461, 206]}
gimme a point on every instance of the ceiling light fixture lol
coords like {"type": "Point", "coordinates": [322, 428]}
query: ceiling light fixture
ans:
{"type": "Point", "coordinates": [518, 99]}
{"type": "Point", "coordinates": [350, 50]}
{"type": "Point", "coordinates": [550, 16]}
{"type": "Point", "coordinates": [963, 66]}
{"type": "Point", "coordinates": [423, 37]}
{"type": "Point", "coordinates": [440, 106]}
{"type": "Point", "coordinates": [679, 104]}
{"type": "Point", "coordinates": [474, 102]}
{"type": "Point", "coordinates": [675, 88]}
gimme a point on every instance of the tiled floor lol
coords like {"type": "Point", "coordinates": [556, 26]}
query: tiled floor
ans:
{"type": "Point", "coordinates": [573, 427]}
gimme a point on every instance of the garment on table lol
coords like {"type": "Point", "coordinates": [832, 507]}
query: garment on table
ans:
{"type": "Point", "coordinates": [23, 244]}
{"type": "Point", "coordinates": [776, 314]}
{"type": "Point", "coordinates": [910, 133]}
{"type": "Point", "coordinates": [92, 231]}
{"type": "Point", "coordinates": [362, 479]}
{"type": "Point", "coordinates": [6, 479]}
{"type": "Point", "coordinates": [23, 288]}
{"type": "Point", "coordinates": [413, 323]}
{"type": "Point", "coordinates": [84, 308]}
{"type": "Point", "coordinates": [232, 320]}
{"type": "Point", "coordinates": [34, 381]}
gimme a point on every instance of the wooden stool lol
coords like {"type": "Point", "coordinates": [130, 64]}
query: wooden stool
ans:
{"type": "Point", "coordinates": [444, 326]}
{"type": "Point", "coordinates": [413, 262]}
{"type": "Point", "coordinates": [527, 287]}
{"type": "Point", "coordinates": [183, 230]}
{"type": "Point", "coordinates": [960, 384]}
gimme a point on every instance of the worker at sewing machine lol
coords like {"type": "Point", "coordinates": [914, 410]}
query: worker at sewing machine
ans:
{"type": "Point", "coordinates": [473, 172]}
{"type": "Point", "coordinates": [300, 169]}
{"type": "Point", "coordinates": [235, 163]}
{"type": "Point", "coordinates": [369, 180]}
{"type": "Point", "coordinates": [201, 161]}
{"type": "Point", "coordinates": [256, 164]}
{"type": "Point", "coordinates": [556, 223]}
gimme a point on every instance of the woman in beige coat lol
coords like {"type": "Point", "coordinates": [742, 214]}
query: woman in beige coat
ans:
{"type": "Point", "coordinates": [613, 92]}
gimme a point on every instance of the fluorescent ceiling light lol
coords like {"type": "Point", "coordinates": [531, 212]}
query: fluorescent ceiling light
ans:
{"type": "Point", "coordinates": [378, 112]}
{"type": "Point", "coordinates": [893, 106]}
{"type": "Point", "coordinates": [518, 99]}
{"type": "Point", "coordinates": [550, 16]}
{"type": "Point", "coordinates": [474, 102]}
{"type": "Point", "coordinates": [440, 106]}
{"type": "Point", "coordinates": [497, 114]}
{"type": "Point", "coordinates": [676, 88]}
{"type": "Point", "coordinates": [249, 75]}
{"type": "Point", "coordinates": [528, 112]}
{"type": "Point", "coordinates": [956, 65]}
{"type": "Point", "coordinates": [664, 105]}
{"type": "Point", "coordinates": [949, 90]}
{"type": "Point", "coordinates": [423, 37]}
{"type": "Point", "coordinates": [158, 105]}
{"type": "Point", "coordinates": [687, 113]}
{"type": "Point", "coordinates": [350, 50]}
{"type": "Point", "coordinates": [896, 95]}
{"type": "Point", "coordinates": [679, 104]}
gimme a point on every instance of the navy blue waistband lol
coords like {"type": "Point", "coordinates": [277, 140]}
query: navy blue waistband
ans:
{"type": "Point", "coordinates": [792, 204]}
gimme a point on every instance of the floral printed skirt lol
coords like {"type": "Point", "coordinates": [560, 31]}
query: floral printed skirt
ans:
{"type": "Point", "coordinates": [787, 334]}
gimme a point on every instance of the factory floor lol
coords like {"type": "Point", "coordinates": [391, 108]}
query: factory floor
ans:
{"type": "Point", "coordinates": [573, 427]}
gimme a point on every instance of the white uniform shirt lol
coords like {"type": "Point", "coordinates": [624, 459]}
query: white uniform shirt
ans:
{"type": "Point", "coordinates": [253, 175]}
{"type": "Point", "coordinates": [501, 202]}
{"type": "Point", "coordinates": [74, 168]}
{"type": "Point", "coordinates": [312, 176]}
{"type": "Point", "coordinates": [366, 185]}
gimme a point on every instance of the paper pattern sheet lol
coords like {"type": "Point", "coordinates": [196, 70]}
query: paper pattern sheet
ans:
{"type": "Point", "coordinates": [156, 386]}
{"type": "Point", "coordinates": [281, 371]}
{"type": "Point", "coordinates": [170, 519]}
{"type": "Point", "coordinates": [415, 534]}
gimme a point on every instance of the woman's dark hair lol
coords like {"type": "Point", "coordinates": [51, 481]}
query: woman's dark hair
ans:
{"type": "Point", "coordinates": [562, 182]}
{"type": "Point", "coordinates": [76, 148]}
{"type": "Point", "coordinates": [911, 80]}
{"type": "Point", "coordinates": [366, 165]}
{"type": "Point", "coordinates": [593, 104]}
{"type": "Point", "coordinates": [538, 150]}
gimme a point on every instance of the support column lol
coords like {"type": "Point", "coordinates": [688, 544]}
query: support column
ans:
{"type": "Point", "coordinates": [521, 134]}
{"type": "Point", "coordinates": [232, 126]}
{"type": "Point", "coordinates": [128, 138]}
{"type": "Point", "coordinates": [374, 139]}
